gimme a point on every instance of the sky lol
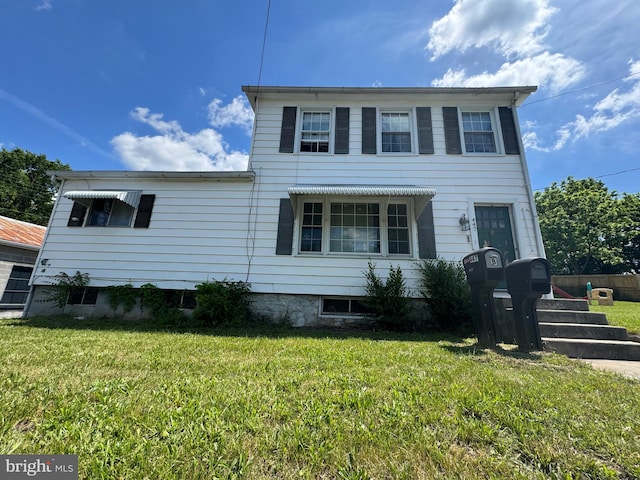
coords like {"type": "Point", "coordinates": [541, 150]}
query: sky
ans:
{"type": "Point", "coordinates": [156, 84]}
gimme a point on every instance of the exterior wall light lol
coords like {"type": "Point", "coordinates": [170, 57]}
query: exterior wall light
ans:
{"type": "Point", "coordinates": [465, 225]}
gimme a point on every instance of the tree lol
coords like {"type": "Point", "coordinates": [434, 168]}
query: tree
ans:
{"type": "Point", "coordinates": [581, 226]}
{"type": "Point", "coordinates": [26, 189]}
{"type": "Point", "coordinates": [630, 214]}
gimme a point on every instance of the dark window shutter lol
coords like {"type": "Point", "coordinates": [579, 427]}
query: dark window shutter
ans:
{"type": "Point", "coordinates": [369, 130]}
{"type": "Point", "coordinates": [426, 233]}
{"type": "Point", "coordinates": [451, 130]}
{"type": "Point", "coordinates": [288, 131]}
{"type": "Point", "coordinates": [78, 211]}
{"type": "Point", "coordinates": [509, 134]}
{"type": "Point", "coordinates": [284, 241]}
{"type": "Point", "coordinates": [143, 218]}
{"type": "Point", "coordinates": [342, 130]}
{"type": "Point", "coordinates": [425, 130]}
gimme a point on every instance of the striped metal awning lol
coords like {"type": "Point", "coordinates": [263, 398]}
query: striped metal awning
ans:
{"type": "Point", "coordinates": [130, 197]}
{"type": "Point", "coordinates": [421, 195]}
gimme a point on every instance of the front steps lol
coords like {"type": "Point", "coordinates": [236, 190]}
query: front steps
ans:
{"type": "Point", "coordinates": [569, 328]}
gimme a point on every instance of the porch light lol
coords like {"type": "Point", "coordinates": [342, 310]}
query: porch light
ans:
{"type": "Point", "coordinates": [464, 223]}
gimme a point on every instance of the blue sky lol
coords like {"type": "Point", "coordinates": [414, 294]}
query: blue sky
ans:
{"type": "Point", "coordinates": [156, 84]}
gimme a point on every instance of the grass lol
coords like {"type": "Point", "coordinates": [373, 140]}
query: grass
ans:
{"type": "Point", "coordinates": [139, 403]}
{"type": "Point", "coordinates": [622, 314]}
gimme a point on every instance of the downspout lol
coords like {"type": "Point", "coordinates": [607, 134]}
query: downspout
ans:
{"type": "Point", "coordinates": [37, 265]}
{"type": "Point", "coordinates": [527, 180]}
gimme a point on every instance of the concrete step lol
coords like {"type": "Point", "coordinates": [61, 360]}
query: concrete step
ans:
{"type": "Point", "coordinates": [587, 348]}
{"type": "Point", "coordinates": [581, 330]}
{"type": "Point", "coordinates": [570, 316]}
{"type": "Point", "coordinates": [577, 305]}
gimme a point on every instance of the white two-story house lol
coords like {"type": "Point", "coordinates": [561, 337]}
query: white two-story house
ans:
{"type": "Point", "coordinates": [336, 177]}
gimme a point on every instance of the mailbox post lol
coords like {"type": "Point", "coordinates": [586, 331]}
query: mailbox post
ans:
{"type": "Point", "coordinates": [527, 280]}
{"type": "Point", "coordinates": [484, 269]}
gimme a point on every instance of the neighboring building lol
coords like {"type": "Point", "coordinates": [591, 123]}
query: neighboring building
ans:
{"type": "Point", "coordinates": [336, 177]}
{"type": "Point", "coordinates": [19, 246]}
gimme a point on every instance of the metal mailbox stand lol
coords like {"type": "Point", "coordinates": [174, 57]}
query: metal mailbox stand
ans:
{"type": "Point", "coordinates": [484, 269]}
{"type": "Point", "coordinates": [527, 280]}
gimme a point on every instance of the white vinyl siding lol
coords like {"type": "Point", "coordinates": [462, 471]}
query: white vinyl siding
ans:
{"type": "Point", "coordinates": [203, 230]}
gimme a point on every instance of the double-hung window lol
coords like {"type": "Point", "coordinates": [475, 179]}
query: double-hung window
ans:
{"type": "Point", "coordinates": [360, 227]}
{"type": "Point", "coordinates": [396, 132]}
{"type": "Point", "coordinates": [315, 131]}
{"type": "Point", "coordinates": [479, 136]}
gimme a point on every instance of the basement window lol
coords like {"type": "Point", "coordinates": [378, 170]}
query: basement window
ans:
{"type": "Point", "coordinates": [344, 306]}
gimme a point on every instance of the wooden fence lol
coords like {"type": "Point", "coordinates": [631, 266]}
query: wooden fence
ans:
{"type": "Point", "coordinates": [625, 287]}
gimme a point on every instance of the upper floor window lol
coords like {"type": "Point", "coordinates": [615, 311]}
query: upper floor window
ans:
{"type": "Point", "coordinates": [478, 132]}
{"type": "Point", "coordinates": [396, 131]}
{"type": "Point", "coordinates": [110, 213]}
{"type": "Point", "coordinates": [106, 208]}
{"type": "Point", "coordinates": [314, 132]}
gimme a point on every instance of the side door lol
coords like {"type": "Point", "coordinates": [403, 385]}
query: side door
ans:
{"type": "Point", "coordinates": [494, 229]}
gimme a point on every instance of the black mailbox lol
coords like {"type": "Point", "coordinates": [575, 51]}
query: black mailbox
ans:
{"type": "Point", "coordinates": [527, 280]}
{"type": "Point", "coordinates": [484, 266]}
{"type": "Point", "coordinates": [485, 270]}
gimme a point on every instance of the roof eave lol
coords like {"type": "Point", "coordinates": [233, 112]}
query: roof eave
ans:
{"type": "Point", "coordinates": [232, 176]}
{"type": "Point", "coordinates": [518, 93]}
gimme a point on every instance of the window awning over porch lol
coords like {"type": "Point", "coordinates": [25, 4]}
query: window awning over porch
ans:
{"type": "Point", "coordinates": [130, 197]}
{"type": "Point", "coordinates": [421, 195]}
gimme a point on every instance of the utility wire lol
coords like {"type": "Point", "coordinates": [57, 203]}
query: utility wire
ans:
{"type": "Point", "coordinates": [264, 42]}
{"type": "Point", "coordinates": [580, 89]}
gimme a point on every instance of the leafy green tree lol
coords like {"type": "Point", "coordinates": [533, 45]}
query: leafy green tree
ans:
{"type": "Point", "coordinates": [581, 226]}
{"type": "Point", "coordinates": [630, 215]}
{"type": "Point", "coordinates": [26, 190]}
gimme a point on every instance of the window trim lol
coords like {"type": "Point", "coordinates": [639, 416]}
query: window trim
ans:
{"type": "Point", "coordinates": [413, 131]}
{"type": "Point", "coordinates": [300, 121]}
{"type": "Point", "coordinates": [496, 129]}
{"type": "Point", "coordinates": [383, 203]}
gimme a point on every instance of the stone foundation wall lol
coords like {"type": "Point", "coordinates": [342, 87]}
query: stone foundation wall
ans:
{"type": "Point", "coordinates": [295, 310]}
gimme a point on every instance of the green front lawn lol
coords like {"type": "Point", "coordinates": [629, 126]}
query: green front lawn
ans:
{"type": "Point", "coordinates": [136, 404]}
{"type": "Point", "coordinates": [622, 314]}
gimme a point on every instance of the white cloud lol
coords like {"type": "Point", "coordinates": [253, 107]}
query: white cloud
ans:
{"type": "Point", "coordinates": [238, 112]}
{"type": "Point", "coordinates": [174, 149]}
{"type": "Point", "coordinates": [615, 109]}
{"type": "Point", "coordinates": [512, 27]}
{"type": "Point", "coordinates": [612, 111]}
{"type": "Point", "coordinates": [45, 5]}
{"type": "Point", "coordinates": [553, 70]}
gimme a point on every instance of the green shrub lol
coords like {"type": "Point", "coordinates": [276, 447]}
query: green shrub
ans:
{"type": "Point", "coordinates": [388, 300]}
{"type": "Point", "coordinates": [64, 285]}
{"type": "Point", "coordinates": [443, 284]}
{"type": "Point", "coordinates": [222, 303]}
{"type": "Point", "coordinates": [122, 295]}
{"type": "Point", "coordinates": [163, 313]}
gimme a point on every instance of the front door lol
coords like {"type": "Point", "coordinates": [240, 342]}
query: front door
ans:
{"type": "Point", "coordinates": [494, 230]}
